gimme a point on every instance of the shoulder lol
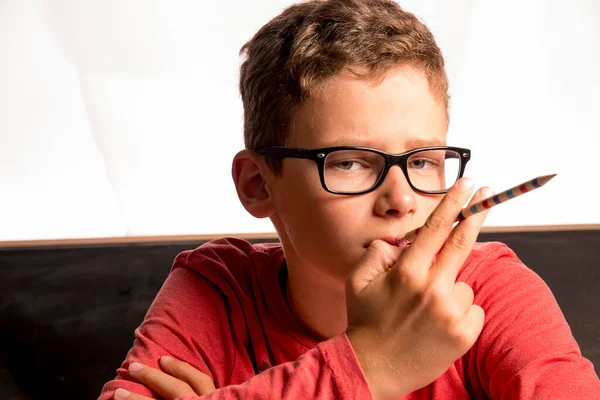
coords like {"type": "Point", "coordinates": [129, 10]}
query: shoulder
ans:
{"type": "Point", "coordinates": [489, 252]}
{"type": "Point", "coordinates": [215, 282]}
{"type": "Point", "coordinates": [203, 310]}
{"type": "Point", "coordinates": [493, 261]}
{"type": "Point", "coordinates": [231, 262]}
{"type": "Point", "coordinates": [497, 277]}
{"type": "Point", "coordinates": [226, 249]}
{"type": "Point", "coordinates": [513, 296]}
{"type": "Point", "coordinates": [228, 252]}
{"type": "Point", "coordinates": [524, 329]}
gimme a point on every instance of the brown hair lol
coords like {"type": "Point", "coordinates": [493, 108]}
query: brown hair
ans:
{"type": "Point", "coordinates": [314, 40]}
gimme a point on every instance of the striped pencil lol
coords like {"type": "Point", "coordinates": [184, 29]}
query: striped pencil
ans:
{"type": "Point", "coordinates": [491, 202]}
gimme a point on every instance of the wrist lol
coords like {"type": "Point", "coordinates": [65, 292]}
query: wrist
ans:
{"type": "Point", "coordinates": [339, 356]}
{"type": "Point", "coordinates": [385, 382]}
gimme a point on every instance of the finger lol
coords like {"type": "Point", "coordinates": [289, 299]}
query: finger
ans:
{"type": "Point", "coordinates": [121, 394]}
{"type": "Point", "coordinates": [162, 383]}
{"type": "Point", "coordinates": [471, 326]}
{"type": "Point", "coordinates": [459, 244]}
{"type": "Point", "coordinates": [463, 296]}
{"type": "Point", "coordinates": [200, 382]}
{"type": "Point", "coordinates": [438, 226]}
{"type": "Point", "coordinates": [377, 260]}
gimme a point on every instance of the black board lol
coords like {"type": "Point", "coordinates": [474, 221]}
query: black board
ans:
{"type": "Point", "coordinates": [67, 313]}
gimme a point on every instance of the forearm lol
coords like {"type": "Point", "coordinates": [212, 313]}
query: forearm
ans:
{"type": "Point", "coordinates": [328, 371]}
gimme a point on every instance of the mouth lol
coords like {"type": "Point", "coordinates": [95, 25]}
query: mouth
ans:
{"type": "Point", "coordinates": [392, 240]}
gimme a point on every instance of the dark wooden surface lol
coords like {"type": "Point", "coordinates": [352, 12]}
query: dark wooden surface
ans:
{"type": "Point", "coordinates": [67, 314]}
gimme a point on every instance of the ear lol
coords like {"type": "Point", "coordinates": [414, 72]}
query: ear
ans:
{"type": "Point", "coordinates": [248, 171]}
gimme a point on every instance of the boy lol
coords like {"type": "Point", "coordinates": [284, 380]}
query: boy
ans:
{"type": "Point", "coordinates": [331, 89]}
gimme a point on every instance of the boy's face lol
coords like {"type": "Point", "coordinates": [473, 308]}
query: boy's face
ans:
{"type": "Point", "coordinates": [328, 233]}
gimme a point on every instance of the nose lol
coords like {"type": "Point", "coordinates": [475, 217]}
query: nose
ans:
{"type": "Point", "coordinates": [395, 196]}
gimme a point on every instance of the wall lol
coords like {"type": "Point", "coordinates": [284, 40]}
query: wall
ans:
{"type": "Point", "coordinates": [120, 118]}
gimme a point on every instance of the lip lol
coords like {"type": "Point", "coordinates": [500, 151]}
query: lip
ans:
{"type": "Point", "coordinates": [392, 240]}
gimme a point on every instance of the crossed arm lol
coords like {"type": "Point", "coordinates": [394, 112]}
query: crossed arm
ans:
{"type": "Point", "coordinates": [176, 380]}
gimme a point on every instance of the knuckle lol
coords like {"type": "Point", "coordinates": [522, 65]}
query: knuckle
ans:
{"type": "Point", "coordinates": [181, 388]}
{"type": "Point", "coordinates": [454, 201]}
{"type": "Point", "coordinates": [439, 304]}
{"type": "Point", "coordinates": [464, 290]}
{"type": "Point", "coordinates": [437, 223]}
{"type": "Point", "coordinates": [434, 291]}
{"type": "Point", "coordinates": [466, 287]}
{"type": "Point", "coordinates": [408, 281]}
{"type": "Point", "coordinates": [465, 332]}
{"type": "Point", "coordinates": [205, 380]}
{"type": "Point", "coordinates": [422, 296]}
{"type": "Point", "coordinates": [381, 253]}
{"type": "Point", "coordinates": [461, 337]}
{"type": "Point", "coordinates": [417, 294]}
{"type": "Point", "coordinates": [460, 240]}
{"type": "Point", "coordinates": [379, 247]}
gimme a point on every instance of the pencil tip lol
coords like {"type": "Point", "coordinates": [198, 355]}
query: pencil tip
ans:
{"type": "Point", "coordinates": [545, 178]}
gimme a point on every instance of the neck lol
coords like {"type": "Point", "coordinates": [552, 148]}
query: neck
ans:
{"type": "Point", "coordinates": [318, 301]}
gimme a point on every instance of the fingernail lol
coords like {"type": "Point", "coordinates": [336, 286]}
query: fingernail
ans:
{"type": "Point", "coordinates": [122, 393]}
{"type": "Point", "coordinates": [465, 183]}
{"type": "Point", "coordinates": [135, 367]}
{"type": "Point", "coordinates": [167, 359]}
{"type": "Point", "coordinates": [487, 192]}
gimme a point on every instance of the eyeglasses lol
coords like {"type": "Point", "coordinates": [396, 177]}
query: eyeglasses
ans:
{"type": "Point", "coordinates": [358, 170]}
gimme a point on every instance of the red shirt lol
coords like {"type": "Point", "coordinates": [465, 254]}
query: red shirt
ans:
{"type": "Point", "coordinates": [223, 311]}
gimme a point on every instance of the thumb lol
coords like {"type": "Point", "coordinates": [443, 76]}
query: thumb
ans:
{"type": "Point", "coordinates": [377, 260]}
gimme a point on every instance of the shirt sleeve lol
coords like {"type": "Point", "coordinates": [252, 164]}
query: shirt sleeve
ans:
{"type": "Point", "coordinates": [329, 371]}
{"type": "Point", "coordinates": [189, 321]}
{"type": "Point", "coordinates": [169, 329]}
{"type": "Point", "coordinates": [526, 349]}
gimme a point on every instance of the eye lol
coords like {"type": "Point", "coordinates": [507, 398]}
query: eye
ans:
{"type": "Point", "coordinates": [353, 161]}
{"type": "Point", "coordinates": [348, 165]}
{"type": "Point", "coordinates": [421, 163]}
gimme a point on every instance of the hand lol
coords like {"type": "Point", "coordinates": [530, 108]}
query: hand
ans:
{"type": "Point", "coordinates": [408, 318]}
{"type": "Point", "coordinates": [180, 379]}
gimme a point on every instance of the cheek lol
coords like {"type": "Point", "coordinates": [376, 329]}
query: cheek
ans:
{"type": "Point", "coordinates": [296, 199]}
{"type": "Point", "coordinates": [322, 227]}
{"type": "Point", "coordinates": [345, 211]}
{"type": "Point", "coordinates": [313, 215]}
{"type": "Point", "coordinates": [332, 230]}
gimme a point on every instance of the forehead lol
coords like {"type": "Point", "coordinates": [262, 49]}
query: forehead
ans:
{"type": "Point", "coordinates": [392, 113]}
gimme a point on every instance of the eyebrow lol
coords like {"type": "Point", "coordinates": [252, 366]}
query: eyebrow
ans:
{"type": "Point", "coordinates": [410, 144]}
{"type": "Point", "coordinates": [415, 143]}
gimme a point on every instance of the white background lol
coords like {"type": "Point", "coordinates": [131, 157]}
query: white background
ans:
{"type": "Point", "coordinates": [120, 117]}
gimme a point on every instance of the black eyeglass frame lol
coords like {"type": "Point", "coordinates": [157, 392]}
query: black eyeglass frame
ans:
{"type": "Point", "coordinates": [319, 156]}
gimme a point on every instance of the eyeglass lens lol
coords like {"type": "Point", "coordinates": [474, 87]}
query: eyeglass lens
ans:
{"type": "Point", "coordinates": [353, 171]}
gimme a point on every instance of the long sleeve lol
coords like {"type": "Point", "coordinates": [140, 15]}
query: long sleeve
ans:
{"type": "Point", "coordinates": [180, 323]}
{"type": "Point", "coordinates": [526, 349]}
{"type": "Point", "coordinates": [329, 371]}
{"type": "Point", "coordinates": [191, 320]}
